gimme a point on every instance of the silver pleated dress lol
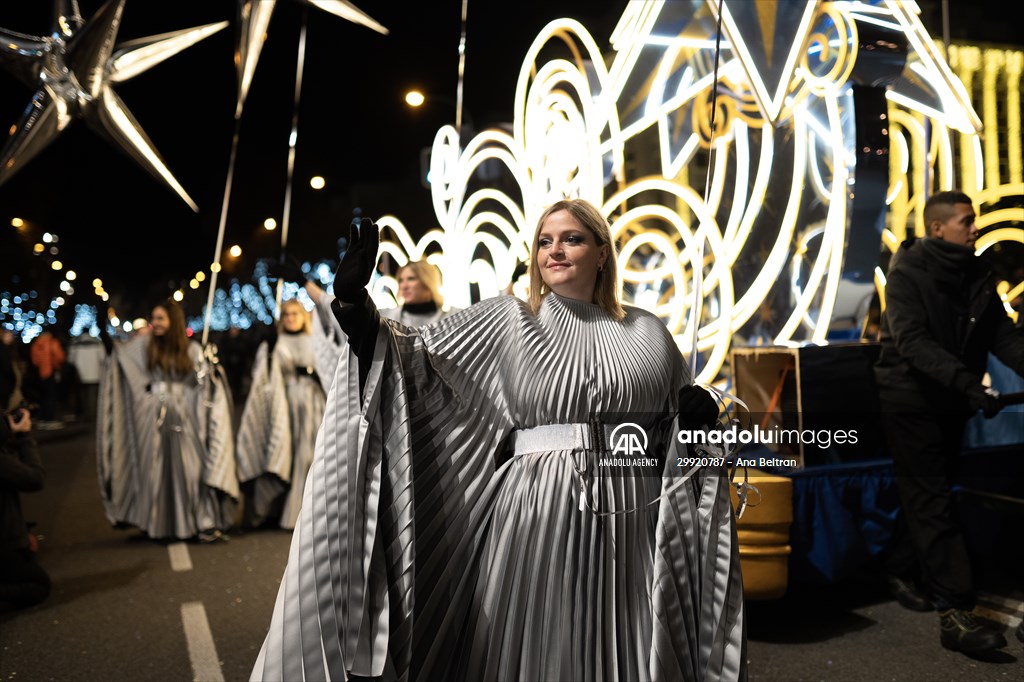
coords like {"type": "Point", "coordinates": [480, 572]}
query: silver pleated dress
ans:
{"type": "Point", "coordinates": [165, 445]}
{"type": "Point", "coordinates": [281, 417]}
{"type": "Point", "coordinates": [404, 316]}
{"type": "Point", "coordinates": [426, 551]}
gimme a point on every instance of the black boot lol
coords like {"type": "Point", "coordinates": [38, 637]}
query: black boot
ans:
{"type": "Point", "coordinates": [960, 632]}
{"type": "Point", "coordinates": [907, 594]}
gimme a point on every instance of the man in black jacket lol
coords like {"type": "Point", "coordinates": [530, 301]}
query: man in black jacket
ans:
{"type": "Point", "coordinates": [942, 318]}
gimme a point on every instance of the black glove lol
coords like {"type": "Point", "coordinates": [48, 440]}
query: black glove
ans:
{"type": "Point", "coordinates": [271, 338]}
{"type": "Point", "coordinates": [697, 408]}
{"type": "Point", "coordinates": [980, 399]}
{"type": "Point", "coordinates": [357, 266]}
{"type": "Point", "coordinates": [103, 321]}
{"type": "Point", "coordinates": [290, 270]}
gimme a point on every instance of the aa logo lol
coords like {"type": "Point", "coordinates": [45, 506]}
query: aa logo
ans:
{"type": "Point", "coordinates": [629, 439]}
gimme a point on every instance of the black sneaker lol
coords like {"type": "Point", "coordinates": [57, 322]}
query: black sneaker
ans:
{"type": "Point", "coordinates": [960, 632]}
{"type": "Point", "coordinates": [907, 594]}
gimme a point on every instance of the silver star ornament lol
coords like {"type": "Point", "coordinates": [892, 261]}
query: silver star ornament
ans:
{"type": "Point", "coordinates": [74, 71]}
{"type": "Point", "coordinates": [253, 21]}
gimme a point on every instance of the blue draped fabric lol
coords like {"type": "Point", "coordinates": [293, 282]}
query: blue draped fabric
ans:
{"type": "Point", "coordinates": [843, 516]}
{"type": "Point", "coordinates": [1007, 427]}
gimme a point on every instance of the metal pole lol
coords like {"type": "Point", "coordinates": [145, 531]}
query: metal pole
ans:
{"type": "Point", "coordinates": [293, 137]}
{"type": "Point", "coordinates": [462, 70]}
{"type": "Point", "coordinates": [215, 266]}
{"type": "Point", "coordinates": [698, 269]}
{"type": "Point", "coordinates": [945, 49]}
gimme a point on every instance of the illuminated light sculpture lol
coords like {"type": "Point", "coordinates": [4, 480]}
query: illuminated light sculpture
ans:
{"type": "Point", "coordinates": [790, 253]}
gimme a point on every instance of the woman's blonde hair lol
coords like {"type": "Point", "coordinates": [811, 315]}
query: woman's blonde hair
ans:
{"type": "Point", "coordinates": [169, 351]}
{"type": "Point", "coordinates": [307, 322]}
{"type": "Point", "coordinates": [606, 288]}
{"type": "Point", "coordinates": [428, 275]}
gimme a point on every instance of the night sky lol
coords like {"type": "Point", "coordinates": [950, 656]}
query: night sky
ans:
{"type": "Point", "coordinates": [354, 129]}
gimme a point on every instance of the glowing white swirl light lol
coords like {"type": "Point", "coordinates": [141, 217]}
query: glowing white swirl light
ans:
{"type": "Point", "coordinates": [583, 127]}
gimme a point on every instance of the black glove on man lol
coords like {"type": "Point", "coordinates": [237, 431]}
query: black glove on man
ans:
{"type": "Point", "coordinates": [697, 408]}
{"type": "Point", "coordinates": [980, 399]}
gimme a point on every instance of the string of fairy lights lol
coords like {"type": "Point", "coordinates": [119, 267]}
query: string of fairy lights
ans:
{"type": "Point", "coordinates": [28, 310]}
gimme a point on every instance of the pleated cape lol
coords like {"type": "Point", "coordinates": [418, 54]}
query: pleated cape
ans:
{"type": "Point", "coordinates": [165, 446]}
{"type": "Point", "coordinates": [425, 551]}
{"type": "Point", "coordinates": [277, 432]}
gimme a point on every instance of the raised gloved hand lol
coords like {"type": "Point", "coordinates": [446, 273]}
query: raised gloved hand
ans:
{"type": "Point", "coordinates": [697, 408]}
{"type": "Point", "coordinates": [984, 399]}
{"type": "Point", "coordinates": [357, 266]}
{"type": "Point", "coordinates": [290, 270]}
{"type": "Point", "coordinates": [103, 321]}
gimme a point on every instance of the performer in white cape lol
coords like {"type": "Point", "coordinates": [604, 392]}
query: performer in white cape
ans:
{"type": "Point", "coordinates": [456, 524]}
{"type": "Point", "coordinates": [281, 417]}
{"type": "Point", "coordinates": [164, 441]}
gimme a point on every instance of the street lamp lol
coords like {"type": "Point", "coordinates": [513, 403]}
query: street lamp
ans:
{"type": "Point", "coordinates": [416, 99]}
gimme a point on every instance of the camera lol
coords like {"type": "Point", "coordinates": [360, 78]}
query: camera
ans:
{"type": "Point", "coordinates": [16, 413]}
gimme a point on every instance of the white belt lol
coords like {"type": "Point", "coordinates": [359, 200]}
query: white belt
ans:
{"type": "Point", "coordinates": [560, 437]}
{"type": "Point", "coordinates": [581, 437]}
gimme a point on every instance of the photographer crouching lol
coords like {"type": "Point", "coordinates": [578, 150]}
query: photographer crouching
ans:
{"type": "Point", "coordinates": [22, 581]}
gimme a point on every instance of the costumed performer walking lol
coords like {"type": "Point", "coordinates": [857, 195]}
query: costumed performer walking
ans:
{"type": "Point", "coordinates": [281, 417]}
{"type": "Point", "coordinates": [165, 447]}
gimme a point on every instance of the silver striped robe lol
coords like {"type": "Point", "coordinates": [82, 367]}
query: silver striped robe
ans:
{"type": "Point", "coordinates": [281, 417]}
{"type": "Point", "coordinates": [425, 551]}
{"type": "Point", "coordinates": [165, 445]}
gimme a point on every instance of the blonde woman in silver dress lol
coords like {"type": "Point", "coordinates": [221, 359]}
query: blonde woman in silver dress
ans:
{"type": "Point", "coordinates": [419, 295]}
{"type": "Point", "coordinates": [280, 420]}
{"type": "Point", "coordinates": [455, 524]}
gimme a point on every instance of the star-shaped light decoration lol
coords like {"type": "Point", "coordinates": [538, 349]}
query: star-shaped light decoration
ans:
{"type": "Point", "coordinates": [74, 70]}
{"type": "Point", "coordinates": [253, 20]}
{"type": "Point", "coordinates": [768, 36]}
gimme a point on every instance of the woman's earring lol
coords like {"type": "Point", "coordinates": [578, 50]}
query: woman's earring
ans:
{"type": "Point", "coordinates": [600, 267]}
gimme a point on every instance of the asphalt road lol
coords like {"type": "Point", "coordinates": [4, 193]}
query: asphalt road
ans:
{"type": "Point", "coordinates": [127, 608]}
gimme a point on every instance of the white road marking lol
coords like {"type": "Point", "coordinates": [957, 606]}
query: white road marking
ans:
{"type": "Point", "coordinates": [201, 649]}
{"type": "Point", "coordinates": [180, 558]}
